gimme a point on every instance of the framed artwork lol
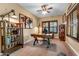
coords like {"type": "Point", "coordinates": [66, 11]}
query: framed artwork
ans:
{"type": "Point", "coordinates": [29, 23]}
{"type": "Point", "coordinates": [26, 21]}
{"type": "Point", "coordinates": [22, 19]}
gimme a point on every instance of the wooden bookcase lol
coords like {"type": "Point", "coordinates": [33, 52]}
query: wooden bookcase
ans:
{"type": "Point", "coordinates": [11, 35]}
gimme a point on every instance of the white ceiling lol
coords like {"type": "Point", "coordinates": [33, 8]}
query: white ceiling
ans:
{"type": "Point", "coordinates": [58, 8]}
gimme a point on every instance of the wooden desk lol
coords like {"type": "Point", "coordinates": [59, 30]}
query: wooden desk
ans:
{"type": "Point", "coordinates": [48, 36]}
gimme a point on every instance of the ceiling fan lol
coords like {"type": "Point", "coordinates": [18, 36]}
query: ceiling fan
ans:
{"type": "Point", "coordinates": [45, 9]}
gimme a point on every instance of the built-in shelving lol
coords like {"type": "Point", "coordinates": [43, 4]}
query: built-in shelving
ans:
{"type": "Point", "coordinates": [11, 35]}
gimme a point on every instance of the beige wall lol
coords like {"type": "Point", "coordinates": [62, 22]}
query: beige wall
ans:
{"type": "Point", "coordinates": [58, 18]}
{"type": "Point", "coordinates": [18, 9]}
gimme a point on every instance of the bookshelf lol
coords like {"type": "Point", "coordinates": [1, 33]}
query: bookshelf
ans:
{"type": "Point", "coordinates": [11, 34]}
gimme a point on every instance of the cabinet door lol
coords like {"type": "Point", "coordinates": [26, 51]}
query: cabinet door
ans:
{"type": "Point", "coordinates": [62, 32]}
{"type": "Point", "coordinates": [0, 44]}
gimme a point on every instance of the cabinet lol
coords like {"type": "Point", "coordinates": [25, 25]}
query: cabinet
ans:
{"type": "Point", "coordinates": [62, 32]}
{"type": "Point", "coordinates": [0, 44]}
{"type": "Point", "coordinates": [11, 35]}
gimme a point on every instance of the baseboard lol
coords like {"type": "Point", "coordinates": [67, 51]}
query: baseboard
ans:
{"type": "Point", "coordinates": [72, 49]}
{"type": "Point", "coordinates": [28, 41]}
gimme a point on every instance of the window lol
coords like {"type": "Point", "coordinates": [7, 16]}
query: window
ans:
{"type": "Point", "coordinates": [72, 24]}
{"type": "Point", "coordinates": [51, 26]}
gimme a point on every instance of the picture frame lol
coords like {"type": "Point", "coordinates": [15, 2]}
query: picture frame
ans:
{"type": "Point", "coordinates": [29, 23]}
{"type": "Point", "coordinates": [26, 21]}
{"type": "Point", "coordinates": [22, 19]}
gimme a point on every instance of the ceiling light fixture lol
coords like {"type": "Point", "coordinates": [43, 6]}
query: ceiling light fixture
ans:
{"type": "Point", "coordinates": [13, 16]}
{"type": "Point", "coordinates": [44, 12]}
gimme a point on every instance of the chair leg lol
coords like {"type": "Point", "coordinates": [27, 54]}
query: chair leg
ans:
{"type": "Point", "coordinates": [35, 41]}
{"type": "Point", "coordinates": [48, 43]}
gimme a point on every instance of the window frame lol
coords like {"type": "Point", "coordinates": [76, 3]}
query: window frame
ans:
{"type": "Point", "coordinates": [50, 27]}
{"type": "Point", "coordinates": [71, 27]}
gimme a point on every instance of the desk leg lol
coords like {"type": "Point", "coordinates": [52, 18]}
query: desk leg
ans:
{"type": "Point", "coordinates": [35, 41]}
{"type": "Point", "coordinates": [48, 43]}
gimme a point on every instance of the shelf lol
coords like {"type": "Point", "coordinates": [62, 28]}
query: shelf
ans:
{"type": "Point", "coordinates": [15, 34]}
{"type": "Point", "coordinates": [11, 27]}
{"type": "Point", "coordinates": [2, 27]}
{"type": "Point", "coordinates": [9, 51]}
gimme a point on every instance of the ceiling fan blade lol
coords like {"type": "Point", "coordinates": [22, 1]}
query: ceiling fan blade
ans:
{"type": "Point", "coordinates": [48, 11]}
{"type": "Point", "coordinates": [44, 6]}
{"type": "Point", "coordinates": [50, 8]}
{"type": "Point", "coordinates": [39, 10]}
